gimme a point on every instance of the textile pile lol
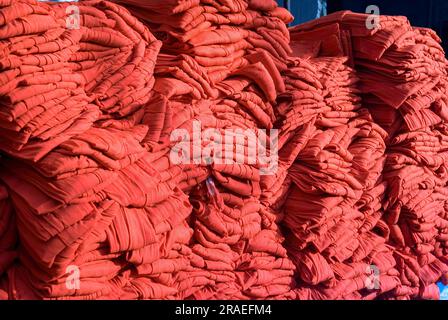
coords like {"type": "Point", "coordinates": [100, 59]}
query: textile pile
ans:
{"type": "Point", "coordinates": [201, 150]}
{"type": "Point", "coordinates": [333, 209]}
{"type": "Point", "coordinates": [403, 80]}
{"type": "Point", "coordinates": [96, 191]}
{"type": "Point", "coordinates": [218, 35]}
{"type": "Point", "coordinates": [75, 166]}
{"type": "Point", "coordinates": [213, 73]}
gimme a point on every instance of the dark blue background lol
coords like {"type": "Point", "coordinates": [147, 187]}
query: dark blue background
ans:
{"type": "Point", "coordinates": [304, 10]}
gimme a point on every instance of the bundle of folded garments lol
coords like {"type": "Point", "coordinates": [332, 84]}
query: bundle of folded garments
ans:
{"type": "Point", "coordinates": [102, 209]}
{"type": "Point", "coordinates": [334, 154]}
{"type": "Point", "coordinates": [217, 80]}
{"type": "Point", "coordinates": [403, 80]}
{"type": "Point", "coordinates": [89, 200]}
{"type": "Point", "coordinates": [190, 150]}
{"type": "Point", "coordinates": [217, 34]}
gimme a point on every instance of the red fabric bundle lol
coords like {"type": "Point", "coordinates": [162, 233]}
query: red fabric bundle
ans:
{"type": "Point", "coordinates": [216, 73]}
{"type": "Point", "coordinates": [346, 202]}
{"type": "Point", "coordinates": [218, 35]}
{"type": "Point", "coordinates": [334, 156]}
{"type": "Point", "coordinates": [94, 197]}
{"type": "Point", "coordinates": [105, 206]}
{"type": "Point", "coordinates": [403, 79]}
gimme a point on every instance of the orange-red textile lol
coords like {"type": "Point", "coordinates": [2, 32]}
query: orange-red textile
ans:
{"type": "Point", "coordinates": [93, 206]}
{"type": "Point", "coordinates": [403, 79]}
{"type": "Point", "coordinates": [102, 201]}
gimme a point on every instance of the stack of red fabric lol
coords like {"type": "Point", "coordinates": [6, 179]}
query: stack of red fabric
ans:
{"type": "Point", "coordinates": [139, 160]}
{"type": "Point", "coordinates": [215, 73]}
{"type": "Point", "coordinates": [218, 34]}
{"type": "Point", "coordinates": [335, 160]}
{"type": "Point", "coordinates": [98, 199]}
{"type": "Point", "coordinates": [92, 204]}
{"type": "Point", "coordinates": [403, 79]}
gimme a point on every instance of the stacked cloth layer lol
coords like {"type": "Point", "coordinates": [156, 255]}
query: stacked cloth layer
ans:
{"type": "Point", "coordinates": [90, 202]}
{"type": "Point", "coordinates": [332, 212]}
{"type": "Point", "coordinates": [217, 74]}
{"type": "Point", "coordinates": [217, 34]}
{"type": "Point", "coordinates": [403, 80]}
{"type": "Point", "coordinates": [103, 211]}
{"type": "Point", "coordinates": [139, 158]}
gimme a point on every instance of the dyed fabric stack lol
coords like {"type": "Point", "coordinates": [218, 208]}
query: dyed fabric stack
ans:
{"type": "Point", "coordinates": [218, 71]}
{"type": "Point", "coordinates": [333, 209]}
{"type": "Point", "coordinates": [403, 75]}
{"type": "Point", "coordinates": [87, 195]}
{"type": "Point", "coordinates": [138, 160]}
{"type": "Point", "coordinates": [236, 249]}
{"type": "Point", "coordinates": [97, 191]}
{"type": "Point", "coordinates": [217, 34]}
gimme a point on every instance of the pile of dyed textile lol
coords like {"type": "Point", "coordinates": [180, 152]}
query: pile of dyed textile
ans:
{"type": "Point", "coordinates": [201, 150]}
{"type": "Point", "coordinates": [403, 81]}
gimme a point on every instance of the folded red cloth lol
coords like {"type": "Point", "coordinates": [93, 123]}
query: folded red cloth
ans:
{"type": "Point", "coordinates": [94, 205]}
